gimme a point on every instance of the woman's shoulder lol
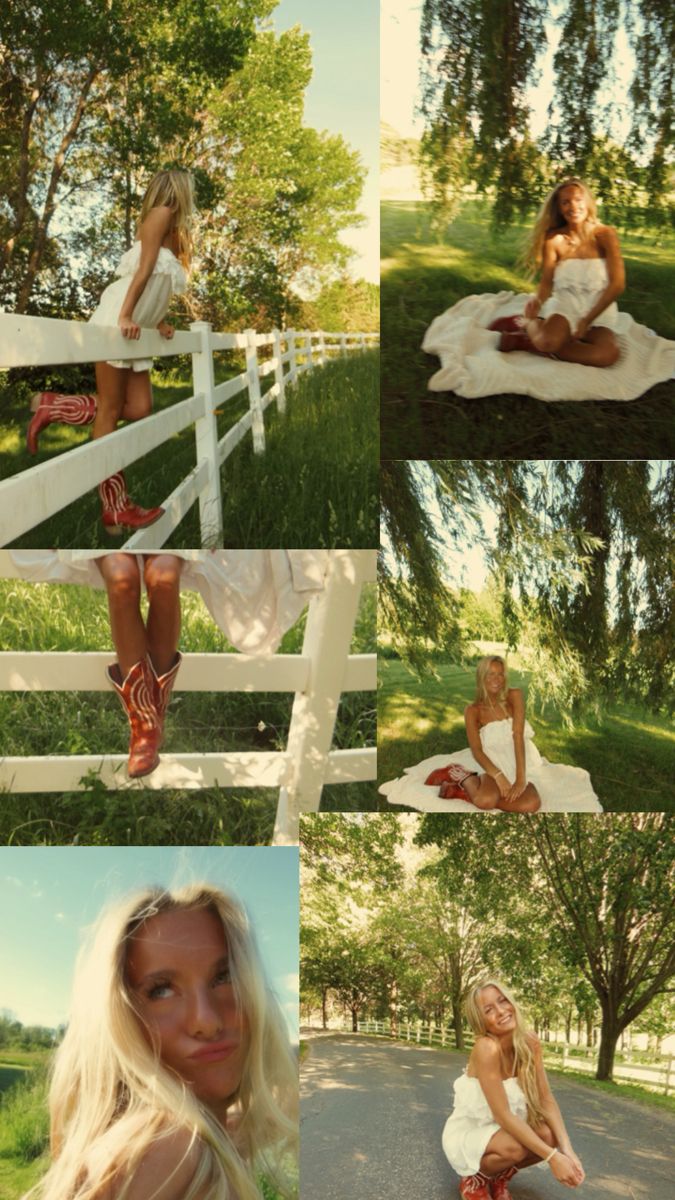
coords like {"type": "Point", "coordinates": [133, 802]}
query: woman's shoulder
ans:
{"type": "Point", "coordinates": [485, 1052]}
{"type": "Point", "coordinates": [606, 235]}
{"type": "Point", "coordinates": [165, 1170]}
{"type": "Point", "coordinates": [473, 709]}
{"type": "Point", "coordinates": [515, 697]}
{"type": "Point", "coordinates": [534, 1043]}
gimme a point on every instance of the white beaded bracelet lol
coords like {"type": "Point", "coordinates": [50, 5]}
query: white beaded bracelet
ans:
{"type": "Point", "coordinates": [550, 1156]}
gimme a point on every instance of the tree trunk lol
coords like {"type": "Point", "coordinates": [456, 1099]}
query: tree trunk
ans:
{"type": "Point", "coordinates": [608, 1039]}
{"type": "Point", "coordinates": [324, 1008]}
{"type": "Point", "coordinates": [457, 1026]}
{"type": "Point", "coordinates": [393, 1007]}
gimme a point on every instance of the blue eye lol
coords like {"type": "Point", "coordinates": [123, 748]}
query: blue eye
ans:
{"type": "Point", "coordinates": [158, 991]}
{"type": "Point", "coordinates": [223, 976]}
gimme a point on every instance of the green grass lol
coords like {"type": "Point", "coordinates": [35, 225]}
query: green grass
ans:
{"type": "Point", "coordinates": [422, 275]}
{"type": "Point", "coordinates": [315, 485]}
{"type": "Point", "coordinates": [630, 1091]}
{"type": "Point", "coordinates": [75, 618]}
{"type": "Point", "coordinates": [629, 754]}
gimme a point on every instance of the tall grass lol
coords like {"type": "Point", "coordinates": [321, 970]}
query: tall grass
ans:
{"type": "Point", "coordinates": [24, 1125]}
{"type": "Point", "coordinates": [65, 618]}
{"type": "Point", "coordinates": [315, 485]}
{"type": "Point", "coordinates": [628, 752]}
{"type": "Point", "coordinates": [424, 273]}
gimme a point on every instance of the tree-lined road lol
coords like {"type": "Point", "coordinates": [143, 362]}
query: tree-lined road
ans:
{"type": "Point", "coordinates": [373, 1113]}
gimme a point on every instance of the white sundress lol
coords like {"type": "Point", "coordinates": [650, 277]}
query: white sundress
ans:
{"type": "Point", "coordinates": [562, 788]}
{"type": "Point", "coordinates": [469, 1128]}
{"type": "Point", "coordinates": [254, 596]}
{"type": "Point", "coordinates": [577, 285]}
{"type": "Point", "coordinates": [168, 279]}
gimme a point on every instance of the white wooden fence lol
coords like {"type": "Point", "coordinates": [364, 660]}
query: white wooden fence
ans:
{"type": "Point", "coordinates": [318, 675]}
{"type": "Point", "coordinates": [32, 496]}
{"type": "Point", "coordinates": [656, 1077]}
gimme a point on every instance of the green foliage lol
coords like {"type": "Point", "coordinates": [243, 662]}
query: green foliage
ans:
{"type": "Point", "coordinates": [345, 304]}
{"type": "Point", "coordinates": [24, 1118]}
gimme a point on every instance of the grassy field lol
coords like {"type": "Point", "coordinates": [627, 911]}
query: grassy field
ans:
{"type": "Point", "coordinates": [629, 754]}
{"type": "Point", "coordinates": [315, 485]}
{"type": "Point", "coordinates": [423, 275]}
{"type": "Point", "coordinates": [75, 618]}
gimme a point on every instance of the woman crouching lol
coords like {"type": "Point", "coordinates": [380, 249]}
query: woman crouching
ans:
{"type": "Point", "coordinates": [175, 1077]}
{"type": "Point", "coordinates": [505, 1117]}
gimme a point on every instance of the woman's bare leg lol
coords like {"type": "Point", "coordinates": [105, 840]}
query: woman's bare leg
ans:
{"type": "Point", "coordinates": [528, 801]}
{"type": "Point", "coordinates": [504, 1151]}
{"type": "Point", "coordinates": [162, 579]}
{"type": "Point", "coordinates": [111, 385]}
{"type": "Point", "coordinates": [138, 397]}
{"type": "Point", "coordinates": [123, 582]}
{"type": "Point", "coordinates": [597, 349]}
{"type": "Point", "coordinates": [483, 791]}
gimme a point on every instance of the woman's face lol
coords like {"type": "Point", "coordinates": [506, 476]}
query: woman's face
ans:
{"type": "Point", "coordinates": [572, 204]}
{"type": "Point", "coordinates": [498, 1012]}
{"type": "Point", "coordinates": [495, 678]}
{"type": "Point", "coordinates": [177, 970]}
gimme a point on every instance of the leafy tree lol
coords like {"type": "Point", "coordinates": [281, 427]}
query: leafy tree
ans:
{"type": "Point", "coordinates": [346, 304]}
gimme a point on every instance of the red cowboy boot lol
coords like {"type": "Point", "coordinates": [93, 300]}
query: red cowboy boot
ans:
{"type": "Point", "coordinates": [119, 512]}
{"type": "Point", "coordinates": [474, 1187]}
{"type": "Point", "coordinates": [68, 410]}
{"type": "Point", "coordinates": [507, 325]}
{"type": "Point", "coordinates": [520, 341]}
{"type": "Point", "coordinates": [498, 1184]}
{"type": "Point", "coordinates": [137, 696]}
{"type": "Point", "coordinates": [164, 686]}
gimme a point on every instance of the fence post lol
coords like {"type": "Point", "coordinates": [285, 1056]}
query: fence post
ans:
{"type": "Point", "coordinates": [308, 350]}
{"type": "Point", "coordinates": [322, 347]}
{"type": "Point", "coordinates": [293, 360]}
{"type": "Point", "coordinates": [206, 438]}
{"type": "Point", "coordinates": [328, 635]}
{"type": "Point", "coordinates": [668, 1070]}
{"type": "Point", "coordinates": [362, 340]}
{"type": "Point", "coordinates": [254, 399]}
{"type": "Point", "coordinates": [279, 372]}
{"type": "Point", "coordinates": [343, 343]}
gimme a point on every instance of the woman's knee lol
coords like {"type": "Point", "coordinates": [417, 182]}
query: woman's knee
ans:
{"type": "Point", "coordinates": [122, 578]}
{"type": "Point", "coordinates": [530, 801]}
{"type": "Point", "coordinates": [546, 1134]}
{"type": "Point", "coordinates": [162, 575]}
{"type": "Point", "coordinates": [513, 1150]}
{"type": "Point", "coordinates": [553, 335]}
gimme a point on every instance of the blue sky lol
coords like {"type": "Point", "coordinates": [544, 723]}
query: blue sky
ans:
{"type": "Point", "coordinates": [343, 96]}
{"type": "Point", "coordinates": [48, 895]}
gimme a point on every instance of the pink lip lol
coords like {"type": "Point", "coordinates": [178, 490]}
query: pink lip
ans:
{"type": "Point", "coordinates": [214, 1051]}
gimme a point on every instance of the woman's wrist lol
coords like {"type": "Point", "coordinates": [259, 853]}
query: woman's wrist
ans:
{"type": "Point", "coordinates": [549, 1156]}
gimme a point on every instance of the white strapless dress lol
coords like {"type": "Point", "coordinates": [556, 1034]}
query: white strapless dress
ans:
{"type": "Point", "coordinates": [562, 788]}
{"type": "Point", "coordinates": [577, 285]}
{"type": "Point", "coordinates": [168, 279]}
{"type": "Point", "coordinates": [471, 1125]}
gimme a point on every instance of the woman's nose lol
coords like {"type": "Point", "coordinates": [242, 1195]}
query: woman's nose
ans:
{"type": "Point", "coordinates": [204, 1016]}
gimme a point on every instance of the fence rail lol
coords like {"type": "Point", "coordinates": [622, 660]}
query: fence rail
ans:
{"type": "Point", "coordinates": [32, 496]}
{"type": "Point", "coordinates": [660, 1076]}
{"type": "Point", "coordinates": [317, 677]}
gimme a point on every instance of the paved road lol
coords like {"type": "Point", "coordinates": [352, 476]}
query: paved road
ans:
{"type": "Point", "coordinates": [373, 1112]}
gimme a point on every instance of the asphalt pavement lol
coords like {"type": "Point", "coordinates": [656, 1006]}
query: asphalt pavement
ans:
{"type": "Point", "coordinates": [373, 1112]}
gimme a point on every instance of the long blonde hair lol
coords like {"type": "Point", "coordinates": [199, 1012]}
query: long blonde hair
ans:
{"type": "Point", "coordinates": [550, 219]}
{"type": "Point", "coordinates": [111, 1098]}
{"type": "Point", "coordinates": [524, 1063]}
{"type": "Point", "coordinates": [482, 669]}
{"type": "Point", "coordinates": [175, 189]}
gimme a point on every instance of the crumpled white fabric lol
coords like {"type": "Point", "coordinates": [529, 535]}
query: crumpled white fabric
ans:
{"type": "Point", "coordinates": [254, 596]}
{"type": "Point", "coordinates": [471, 364]}
{"type": "Point", "coordinates": [168, 278]}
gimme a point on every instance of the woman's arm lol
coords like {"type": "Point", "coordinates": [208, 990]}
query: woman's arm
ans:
{"type": "Point", "coordinates": [487, 1062]}
{"type": "Point", "coordinates": [165, 1172]}
{"type": "Point", "coordinates": [517, 703]}
{"type": "Point", "coordinates": [545, 289]}
{"type": "Point", "coordinates": [152, 233]}
{"type": "Point", "coordinates": [476, 747]}
{"type": "Point", "coordinates": [608, 241]}
{"type": "Point", "coordinates": [553, 1113]}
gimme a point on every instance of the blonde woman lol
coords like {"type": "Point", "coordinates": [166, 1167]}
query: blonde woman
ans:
{"type": "Point", "coordinates": [505, 1117]}
{"type": "Point", "coordinates": [501, 768]}
{"type": "Point", "coordinates": [175, 1078]}
{"type": "Point", "coordinates": [573, 312]}
{"type": "Point", "coordinates": [149, 274]}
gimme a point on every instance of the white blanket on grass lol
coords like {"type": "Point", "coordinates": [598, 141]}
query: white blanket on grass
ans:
{"type": "Point", "coordinates": [471, 364]}
{"type": "Point", "coordinates": [562, 788]}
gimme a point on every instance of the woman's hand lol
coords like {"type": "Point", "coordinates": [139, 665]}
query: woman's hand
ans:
{"type": "Point", "coordinates": [129, 328]}
{"type": "Point", "coordinates": [517, 789]}
{"type": "Point", "coordinates": [565, 1170]}
{"type": "Point", "coordinates": [569, 1153]}
{"type": "Point", "coordinates": [582, 328]}
{"type": "Point", "coordinates": [532, 306]}
{"type": "Point", "coordinates": [165, 330]}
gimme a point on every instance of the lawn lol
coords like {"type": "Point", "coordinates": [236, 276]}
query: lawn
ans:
{"type": "Point", "coordinates": [423, 274]}
{"type": "Point", "coordinates": [39, 723]}
{"type": "Point", "coordinates": [315, 485]}
{"type": "Point", "coordinates": [629, 753]}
